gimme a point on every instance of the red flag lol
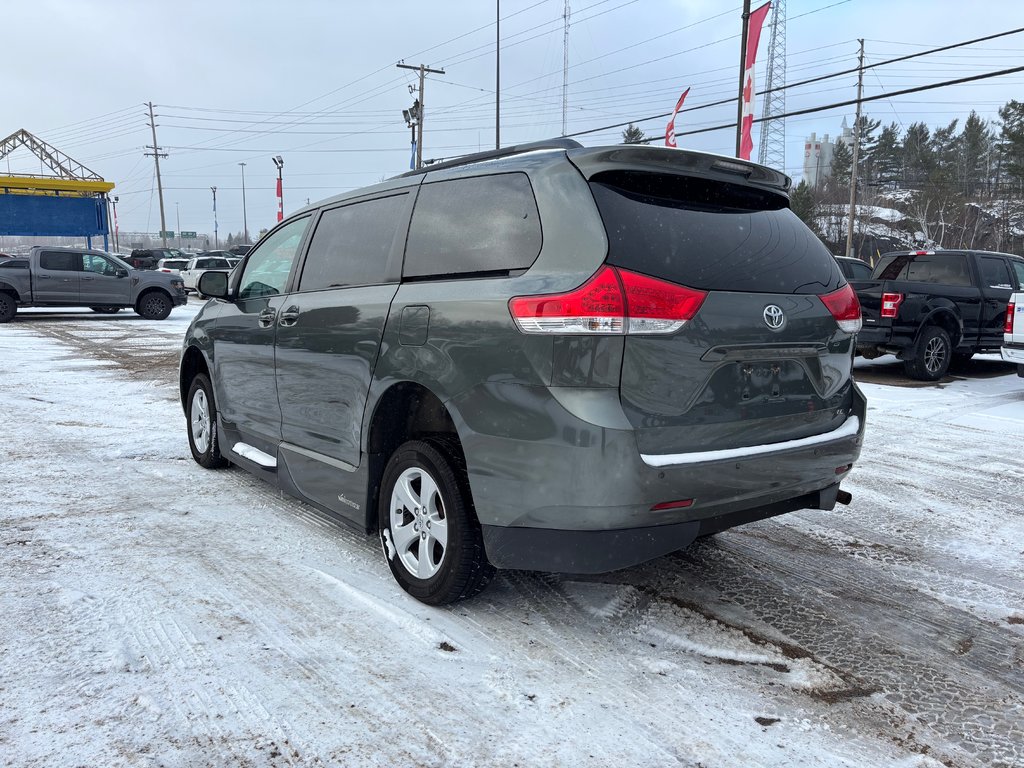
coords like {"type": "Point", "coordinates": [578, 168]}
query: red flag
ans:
{"type": "Point", "coordinates": [754, 25]}
{"type": "Point", "coordinates": [670, 129]}
{"type": "Point", "coordinates": [280, 201]}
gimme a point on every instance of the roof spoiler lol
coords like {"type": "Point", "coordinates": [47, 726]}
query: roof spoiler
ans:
{"type": "Point", "coordinates": [494, 154]}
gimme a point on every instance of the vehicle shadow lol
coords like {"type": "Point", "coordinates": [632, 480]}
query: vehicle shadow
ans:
{"type": "Point", "coordinates": [889, 370]}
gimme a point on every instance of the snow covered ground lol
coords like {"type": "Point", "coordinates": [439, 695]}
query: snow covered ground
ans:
{"type": "Point", "coordinates": [153, 613]}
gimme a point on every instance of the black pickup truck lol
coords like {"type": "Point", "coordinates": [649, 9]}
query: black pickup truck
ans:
{"type": "Point", "coordinates": [933, 308]}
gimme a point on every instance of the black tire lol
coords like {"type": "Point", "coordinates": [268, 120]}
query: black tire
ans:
{"type": "Point", "coordinates": [8, 307]}
{"type": "Point", "coordinates": [201, 423]}
{"type": "Point", "coordinates": [440, 573]}
{"type": "Point", "coordinates": [154, 305]}
{"type": "Point", "coordinates": [932, 355]}
{"type": "Point", "coordinates": [106, 310]}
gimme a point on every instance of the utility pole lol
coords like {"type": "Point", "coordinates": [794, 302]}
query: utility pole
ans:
{"type": "Point", "coordinates": [565, 66]}
{"type": "Point", "coordinates": [216, 240]}
{"type": "Point", "coordinates": [156, 154]}
{"type": "Point", "coordinates": [497, 76]}
{"type": "Point", "coordinates": [743, 72]}
{"type": "Point", "coordinates": [423, 70]}
{"type": "Point", "coordinates": [177, 215]}
{"type": "Point", "coordinates": [245, 218]}
{"type": "Point", "coordinates": [856, 152]}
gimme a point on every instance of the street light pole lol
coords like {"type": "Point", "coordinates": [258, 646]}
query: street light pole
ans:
{"type": "Point", "coordinates": [279, 163]}
{"type": "Point", "coordinates": [245, 218]}
{"type": "Point", "coordinates": [117, 245]}
{"type": "Point", "coordinates": [177, 218]}
{"type": "Point", "coordinates": [216, 240]}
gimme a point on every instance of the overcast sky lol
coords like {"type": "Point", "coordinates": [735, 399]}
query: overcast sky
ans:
{"type": "Point", "coordinates": [316, 82]}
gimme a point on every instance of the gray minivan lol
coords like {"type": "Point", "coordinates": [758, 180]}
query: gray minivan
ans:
{"type": "Point", "coordinates": [546, 357]}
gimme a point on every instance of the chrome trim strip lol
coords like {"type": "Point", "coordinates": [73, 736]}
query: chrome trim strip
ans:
{"type": "Point", "coordinates": [331, 462]}
{"type": "Point", "coordinates": [849, 428]}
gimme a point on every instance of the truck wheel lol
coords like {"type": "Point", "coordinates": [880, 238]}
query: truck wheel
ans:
{"type": "Point", "coordinates": [428, 527]}
{"type": "Point", "coordinates": [8, 307]}
{"type": "Point", "coordinates": [932, 355]}
{"type": "Point", "coordinates": [106, 310]}
{"type": "Point", "coordinates": [201, 416]}
{"type": "Point", "coordinates": [154, 306]}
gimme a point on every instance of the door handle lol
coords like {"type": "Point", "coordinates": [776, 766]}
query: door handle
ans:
{"type": "Point", "coordinates": [86, 278]}
{"type": "Point", "coordinates": [289, 317]}
{"type": "Point", "coordinates": [266, 318]}
{"type": "Point", "coordinates": [44, 277]}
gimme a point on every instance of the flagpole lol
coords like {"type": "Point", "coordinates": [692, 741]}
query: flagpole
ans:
{"type": "Point", "coordinates": [743, 69]}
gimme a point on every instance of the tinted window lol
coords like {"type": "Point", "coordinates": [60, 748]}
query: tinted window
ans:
{"type": "Point", "coordinates": [995, 273]}
{"type": "Point", "coordinates": [60, 261]}
{"type": "Point", "coordinates": [858, 270]}
{"type": "Point", "coordinates": [1018, 267]}
{"type": "Point", "coordinates": [266, 271]}
{"type": "Point", "coordinates": [945, 268]}
{"type": "Point", "coordinates": [12, 264]}
{"type": "Point", "coordinates": [710, 235]}
{"type": "Point", "coordinates": [486, 224]}
{"type": "Point", "coordinates": [97, 264]}
{"type": "Point", "coordinates": [892, 266]}
{"type": "Point", "coordinates": [352, 244]}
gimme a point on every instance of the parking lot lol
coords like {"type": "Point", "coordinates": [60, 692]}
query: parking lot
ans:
{"type": "Point", "coordinates": [159, 614]}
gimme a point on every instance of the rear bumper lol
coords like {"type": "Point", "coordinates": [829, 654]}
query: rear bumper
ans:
{"type": "Point", "coordinates": [1013, 353]}
{"type": "Point", "coordinates": [580, 498]}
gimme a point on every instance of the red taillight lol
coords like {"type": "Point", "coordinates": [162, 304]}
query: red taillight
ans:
{"type": "Point", "coordinates": [613, 301]}
{"type": "Point", "coordinates": [844, 307]}
{"type": "Point", "coordinates": [1008, 325]}
{"type": "Point", "coordinates": [891, 304]}
{"type": "Point", "coordinates": [680, 504]}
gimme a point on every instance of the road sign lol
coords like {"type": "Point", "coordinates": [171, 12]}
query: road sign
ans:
{"type": "Point", "coordinates": [167, 234]}
{"type": "Point", "coordinates": [188, 235]}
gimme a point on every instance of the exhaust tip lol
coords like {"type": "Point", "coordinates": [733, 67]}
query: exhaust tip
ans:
{"type": "Point", "coordinates": [844, 497]}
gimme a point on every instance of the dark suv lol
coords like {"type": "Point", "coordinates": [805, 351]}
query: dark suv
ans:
{"type": "Point", "coordinates": [147, 258]}
{"type": "Point", "coordinates": [549, 357]}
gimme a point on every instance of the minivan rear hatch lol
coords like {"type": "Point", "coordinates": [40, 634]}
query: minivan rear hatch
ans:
{"type": "Point", "coordinates": [764, 359]}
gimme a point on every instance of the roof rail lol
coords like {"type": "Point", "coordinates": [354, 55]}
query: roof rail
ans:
{"type": "Point", "coordinates": [494, 154]}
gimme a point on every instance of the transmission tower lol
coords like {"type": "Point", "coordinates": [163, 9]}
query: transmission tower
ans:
{"type": "Point", "coordinates": [771, 150]}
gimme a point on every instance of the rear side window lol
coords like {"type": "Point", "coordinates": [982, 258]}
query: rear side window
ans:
{"type": "Point", "coordinates": [945, 268]}
{"type": "Point", "coordinates": [60, 261]}
{"type": "Point", "coordinates": [12, 264]}
{"type": "Point", "coordinates": [1018, 267]}
{"type": "Point", "coordinates": [474, 226]}
{"type": "Point", "coordinates": [351, 244]}
{"type": "Point", "coordinates": [710, 235]}
{"type": "Point", "coordinates": [995, 273]}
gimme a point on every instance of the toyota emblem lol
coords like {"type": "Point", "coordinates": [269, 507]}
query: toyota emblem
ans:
{"type": "Point", "coordinates": [773, 317]}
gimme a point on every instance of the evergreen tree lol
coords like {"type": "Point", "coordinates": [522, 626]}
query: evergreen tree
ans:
{"type": "Point", "coordinates": [868, 146]}
{"type": "Point", "coordinates": [887, 159]}
{"type": "Point", "coordinates": [1011, 142]}
{"type": "Point", "coordinates": [633, 135]}
{"type": "Point", "coordinates": [842, 165]}
{"type": "Point", "coordinates": [802, 203]}
{"type": "Point", "coordinates": [945, 147]}
{"type": "Point", "coordinates": [917, 154]}
{"type": "Point", "coordinates": [975, 148]}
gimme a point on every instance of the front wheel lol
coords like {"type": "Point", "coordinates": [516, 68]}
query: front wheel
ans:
{"type": "Point", "coordinates": [428, 527]}
{"type": "Point", "coordinates": [154, 306]}
{"type": "Point", "coordinates": [932, 355]}
{"type": "Point", "coordinates": [201, 417]}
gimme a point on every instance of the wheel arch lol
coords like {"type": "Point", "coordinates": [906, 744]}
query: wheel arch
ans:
{"type": "Point", "coordinates": [420, 415]}
{"type": "Point", "coordinates": [146, 291]}
{"type": "Point", "coordinates": [948, 320]}
{"type": "Point", "coordinates": [193, 362]}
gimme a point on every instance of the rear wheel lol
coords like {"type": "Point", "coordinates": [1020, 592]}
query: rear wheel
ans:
{"type": "Point", "coordinates": [154, 306]}
{"type": "Point", "coordinates": [201, 416]}
{"type": "Point", "coordinates": [932, 355]}
{"type": "Point", "coordinates": [8, 307]}
{"type": "Point", "coordinates": [428, 527]}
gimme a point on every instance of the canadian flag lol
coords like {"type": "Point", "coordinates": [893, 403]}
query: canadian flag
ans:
{"type": "Point", "coordinates": [754, 25]}
{"type": "Point", "coordinates": [670, 129]}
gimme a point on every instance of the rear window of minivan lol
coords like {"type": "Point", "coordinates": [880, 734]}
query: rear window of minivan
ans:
{"type": "Point", "coordinates": [710, 234]}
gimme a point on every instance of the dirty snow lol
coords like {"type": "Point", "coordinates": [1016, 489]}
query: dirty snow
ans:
{"type": "Point", "coordinates": [158, 614]}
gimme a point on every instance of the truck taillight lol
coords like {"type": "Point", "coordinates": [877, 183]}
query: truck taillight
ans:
{"type": "Point", "coordinates": [613, 301]}
{"type": "Point", "coordinates": [891, 304]}
{"type": "Point", "coordinates": [845, 308]}
{"type": "Point", "coordinates": [1008, 324]}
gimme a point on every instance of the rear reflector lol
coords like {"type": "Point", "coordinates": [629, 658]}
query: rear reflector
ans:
{"type": "Point", "coordinates": [891, 304]}
{"type": "Point", "coordinates": [613, 301]}
{"type": "Point", "coordinates": [845, 308]}
{"type": "Point", "coordinates": [1008, 324]}
{"type": "Point", "coordinates": [680, 504]}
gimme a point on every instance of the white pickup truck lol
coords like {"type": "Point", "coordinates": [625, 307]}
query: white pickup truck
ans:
{"type": "Point", "coordinates": [198, 265]}
{"type": "Point", "coordinates": [1013, 333]}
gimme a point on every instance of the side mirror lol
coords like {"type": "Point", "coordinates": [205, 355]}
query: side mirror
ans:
{"type": "Point", "coordinates": [121, 272]}
{"type": "Point", "coordinates": [214, 284]}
